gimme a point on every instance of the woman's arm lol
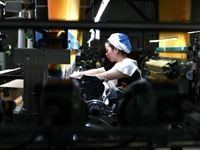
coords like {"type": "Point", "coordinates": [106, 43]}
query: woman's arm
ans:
{"type": "Point", "coordinates": [111, 74]}
{"type": "Point", "coordinates": [91, 72]}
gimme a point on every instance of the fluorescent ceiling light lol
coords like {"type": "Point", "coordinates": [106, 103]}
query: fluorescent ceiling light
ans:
{"type": "Point", "coordinates": [163, 40]}
{"type": "Point", "coordinates": [191, 32]}
{"type": "Point", "coordinates": [102, 7]}
{"type": "Point", "coordinates": [1, 3]}
{"type": "Point", "coordinates": [96, 34]}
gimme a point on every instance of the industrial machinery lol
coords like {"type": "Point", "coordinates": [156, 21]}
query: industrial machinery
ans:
{"type": "Point", "coordinates": [72, 115]}
{"type": "Point", "coordinates": [82, 114]}
{"type": "Point", "coordinates": [101, 102]}
{"type": "Point", "coordinates": [182, 70]}
{"type": "Point", "coordinates": [166, 69]}
{"type": "Point", "coordinates": [6, 111]}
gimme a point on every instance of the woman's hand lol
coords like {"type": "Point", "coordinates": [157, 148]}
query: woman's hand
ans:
{"type": "Point", "coordinates": [76, 75]}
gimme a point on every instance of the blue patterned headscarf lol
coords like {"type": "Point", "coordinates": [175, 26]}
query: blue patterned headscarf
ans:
{"type": "Point", "coordinates": [121, 41]}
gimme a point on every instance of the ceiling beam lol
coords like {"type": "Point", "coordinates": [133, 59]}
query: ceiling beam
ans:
{"type": "Point", "coordinates": [48, 24]}
{"type": "Point", "coordinates": [95, 2]}
{"type": "Point", "coordinates": [138, 11]}
{"type": "Point", "coordinates": [135, 0]}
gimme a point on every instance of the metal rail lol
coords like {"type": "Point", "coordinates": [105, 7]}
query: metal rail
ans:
{"type": "Point", "coordinates": [143, 26]}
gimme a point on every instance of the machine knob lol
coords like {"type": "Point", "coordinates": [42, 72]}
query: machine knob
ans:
{"type": "Point", "coordinates": [95, 111]}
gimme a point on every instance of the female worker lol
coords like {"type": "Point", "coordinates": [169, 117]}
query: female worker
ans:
{"type": "Point", "coordinates": [122, 68]}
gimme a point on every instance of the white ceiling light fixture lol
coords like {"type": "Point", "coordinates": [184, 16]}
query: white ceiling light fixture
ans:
{"type": "Point", "coordinates": [95, 34]}
{"type": "Point", "coordinates": [2, 3]}
{"type": "Point", "coordinates": [163, 40]}
{"type": "Point", "coordinates": [102, 7]}
{"type": "Point", "coordinates": [191, 32]}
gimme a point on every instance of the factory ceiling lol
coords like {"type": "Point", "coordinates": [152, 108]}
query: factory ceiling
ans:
{"type": "Point", "coordinates": [126, 7]}
{"type": "Point", "coordinates": [135, 6]}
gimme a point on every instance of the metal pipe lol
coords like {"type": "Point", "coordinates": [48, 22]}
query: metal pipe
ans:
{"type": "Point", "coordinates": [50, 24]}
{"type": "Point", "coordinates": [11, 77]}
{"type": "Point", "coordinates": [34, 9]}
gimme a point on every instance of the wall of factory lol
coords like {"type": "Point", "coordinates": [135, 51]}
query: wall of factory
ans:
{"type": "Point", "coordinates": [195, 17]}
{"type": "Point", "coordinates": [180, 12]}
{"type": "Point", "coordinates": [64, 10]}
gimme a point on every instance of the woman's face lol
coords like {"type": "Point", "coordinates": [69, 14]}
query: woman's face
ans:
{"type": "Point", "coordinates": [110, 53]}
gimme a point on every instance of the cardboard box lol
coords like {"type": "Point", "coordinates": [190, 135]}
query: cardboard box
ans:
{"type": "Point", "coordinates": [12, 90]}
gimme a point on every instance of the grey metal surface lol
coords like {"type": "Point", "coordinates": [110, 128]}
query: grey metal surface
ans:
{"type": "Point", "coordinates": [35, 64]}
{"type": "Point", "coordinates": [41, 56]}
